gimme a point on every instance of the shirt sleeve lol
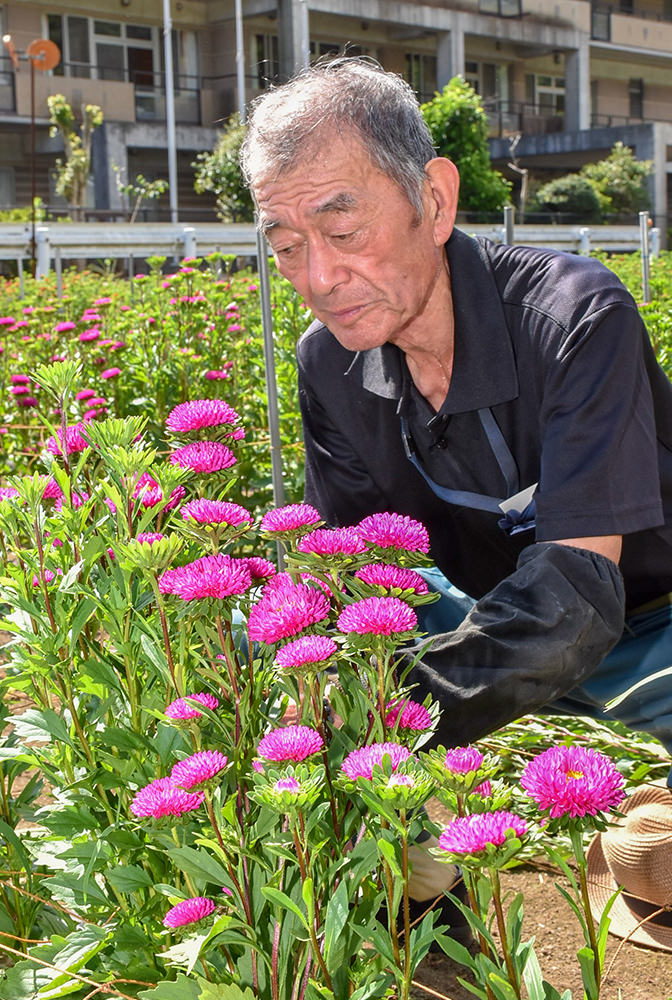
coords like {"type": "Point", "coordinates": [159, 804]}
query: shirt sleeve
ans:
{"type": "Point", "coordinates": [599, 471]}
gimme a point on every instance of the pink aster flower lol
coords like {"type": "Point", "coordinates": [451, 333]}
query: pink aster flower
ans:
{"type": "Point", "coordinates": [332, 541]}
{"type": "Point", "coordinates": [74, 441]}
{"type": "Point", "coordinates": [162, 798]}
{"type": "Point", "coordinates": [48, 576]}
{"type": "Point", "coordinates": [149, 493]}
{"type": "Point", "coordinates": [85, 394]}
{"type": "Point", "coordinates": [7, 321]}
{"type": "Point", "coordinates": [410, 715]}
{"type": "Point", "coordinates": [64, 327]}
{"type": "Point", "coordinates": [462, 760]}
{"type": "Point", "coordinates": [181, 709]}
{"type": "Point", "coordinates": [285, 609]}
{"type": "Point", "coordinates": [290, 518]}
{"type": "Point", "coordinates": [86, 336]}
{"type": "Point", "coordinates": [293, 743]}
{"type": "Point", "coordinates": [287, 785]}
{"type": "Point", "coordinates": [77, 500]}
{"type": "Point", "coordinates": [378, 616]}
{"type": "Point", "coordinates": [394, 531]}
{"type": "Point", "coordinates": [196, 414]}
{"type": "Point", "coordinates": [573, 781]}
{"type": "Point", "coordinates": [392, 577]}
{"type": "Point", "coordinates": [8, 493]}
{"type": "Point", "coordinates": [471, 834]}
{"type": "Point", "coordinates": [197, 769]}
{"type": "Point", "coordinates": [189, 911]}
{"type": "Point", "coordinates": [216, 576]}
{"type": "Point", "coordinates": [19, 379]}
{"type": "Point", "coordinates": [149, 537]}
{"type": "Point", "coordinates": [360, 763]}
{"type": "Point", "coordinates": [216, 512]}
{"type": "Point", "coordinates": [204, 456]}
{"type": "Point", "coordinates": [307, 651]}
{"type": "Point", "coordinates": [19, 390]}
{"type": "Point", "coordinates": [110, 373]}
{"type": "Point", "coordinates": [260, 568]}
{"type": "Point", "coordinates": [27, 401]}
{"type": "Point", "coordinates": [52, 491]}
{"type": "Point", "coordinates": [216, 374]}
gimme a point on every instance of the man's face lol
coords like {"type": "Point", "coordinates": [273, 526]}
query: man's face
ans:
{"type": "Point", "coordinates": [346, 236]}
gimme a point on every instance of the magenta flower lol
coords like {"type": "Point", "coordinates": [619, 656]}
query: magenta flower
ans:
{"type": "Point", "coordinates": [48, 576]}
{"type": "Point", "coordinates": [394, 531]}
{"type": "Point", "coordinates": [93, 333]}
{"type": "Point", "coordinates": [52, 490]}
{"type": "Point", "coordinates": [290, 518]}
{"type": "Point", "coordinates": [378, 616]}
{"type": "Point", "coordinates": [64, 327]}
{"type": "Point", "coordinates": [260, 568]}
{"type": "Point", "coordinates": [149, 493]}
{"type": "Point", "coordinates": [27, 401]}
{"type": "Point", "coordinates": [110, 373]}
{"type": "Point", "coordinates": [196, 414]}
{"type": "Point", "coordinates": [19, 379]}
{"type": "Point", "coordinates": [285, 609]}
{"type": "Point", "coordinates": [216, 512]}
{"type": "Point", "coordinates": [389, 577]}
{"type": "Point", "coordinates": [8, 493]}
{"type": "Point", "coordinates": [217, 577]}
{"type": "Point", "coordinates": [307, 651]}
{"type": "Point", "coordinates": [216, 374]}
{"type": "Point", "coordinates": [74, 441]}
{"type": "Point", "coordinates": [573, 781]}
{"type": "Point", "coordinates": [360, 763]}
{"type": "Point", "coordinates": [293, 743]}
{"type": "Point", "coordinates": [462, 760]}
{"type": "Point", "coordinates": [332, 541]}
{"type": "Point", "coordinates": [149, 537]}
{"type": "Point", "coordinates": [471, 834]}
{"type": "Point", "coordinates": [198, 769]}
{"type": "Point", "coordinates": [410, 715]}
{"type": "Point", "coordinates": [162, 798]}
{"type": "Point", "coordinates": [189, 911]}
{"type": "Point", "coordinates": [181, 709]}
{"type": "Point", "coordinates": [85, 394]}
{"type": "Point", "coordinates": [204, 456]}
{"type": "Point", "coordinates": [287, 785]}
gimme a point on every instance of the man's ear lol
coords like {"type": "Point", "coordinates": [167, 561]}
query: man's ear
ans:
{"type": "Point", "coordinates": [444, 185]}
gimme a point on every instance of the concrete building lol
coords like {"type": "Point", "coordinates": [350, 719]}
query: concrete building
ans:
{"type": "Point", "coordinates": [569, 77]}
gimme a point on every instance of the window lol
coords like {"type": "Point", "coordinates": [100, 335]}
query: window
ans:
{"type": "Point", "coordinates": [266, 60]}
{"type": "Point", "coordinates": [546, 93]}
{"type": "Point", "coordinates": [71, 34]}
{"type": "Point", "coordinates": [106, 50]}
{"type": "Point", "coordinates": [484, 78]}
{"type": "Point", "coordinates": [420, 72]}
{"type": "Point", "coordinates": [636, 95]}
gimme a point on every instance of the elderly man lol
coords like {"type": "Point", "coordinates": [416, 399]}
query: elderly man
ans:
{"type": "Point", "coordinates": [508, 397]}
{"type": "Point", "coordinates": [505, 396]}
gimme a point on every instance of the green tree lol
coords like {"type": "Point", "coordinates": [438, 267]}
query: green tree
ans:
{"type": "Point", "coordinates": [459, 128]}
{"type": "Point", "coordinates": [620, 181]}
{"type": "Point", "coordinates": [73, 172]}
{"type": "Point", "coordinates": [571, 194]}
{"type": "Point", "coordinates": [219, 172]}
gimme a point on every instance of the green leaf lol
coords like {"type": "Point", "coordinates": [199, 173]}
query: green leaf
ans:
{"type": "Point", "coordinates": [586, 957]}
{"type": "Point", "coordinates": [389, 854]}
{"type": "Point", "coordinates": [128, 878]}
{"type": "Point", "coordinates": [34, 725]}
{"type": "Point", "coordinates": [199, 864]}
{"type": "Point", "coordinates": [308, 900]}
{"type": "Point", "coordinates": [336, 916]}
{"type": "Point", "coordinates": [184, 988]}
{"type": "Point", "coordinates": [276, 896]}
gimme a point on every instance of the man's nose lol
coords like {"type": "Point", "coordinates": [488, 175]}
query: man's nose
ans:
{"type": "Point", "coordinates": [325, 268]}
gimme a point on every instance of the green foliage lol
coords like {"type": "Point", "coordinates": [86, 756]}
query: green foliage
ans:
{"type": "Point", "coordinates": [219, 172]}
{"type": "Point", "coordinates": [459, 128]}
{"type": "Point", "coordinates": [570, 195]}
{"type": "Point", "coordinates": [73, 172]}
{"type": "Point", "coordinates": [620, 181]}
{"type": "Point", "coordinates": [135, 192]}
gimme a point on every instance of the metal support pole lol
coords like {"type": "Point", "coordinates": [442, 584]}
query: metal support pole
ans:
{"type": "Point", "coordinates": [644, 241]}
{"type": "Point", "coordinates": [58, 267]}
{"type": "Point", "coordinates": [584, 240]}
{"type": "Point", "coordinates": [654, 242]}
{"type": "Point", "coordinates": [508, 225]}
{"type": "Point", "coordinates": [170, 109]}
{"type": "Point", "coordinates": [271, 384]}
{"type": "Point", "coordinates": [240, 60]}
{"type": "Point", "coordinates": [19, 271]}
{"type": "Point", "coordinates": [189, 241]}
{"type": "Point", "coordinates": [43, 251]}
{"type": "Point", "coordinates": [33, 169]}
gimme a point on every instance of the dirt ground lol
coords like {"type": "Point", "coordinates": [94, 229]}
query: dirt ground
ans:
{"type": "Point", "coordinates": [634, 973]}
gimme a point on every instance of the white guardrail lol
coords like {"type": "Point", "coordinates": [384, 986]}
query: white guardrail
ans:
{"type": "Point", "coordinates": [60, 241]}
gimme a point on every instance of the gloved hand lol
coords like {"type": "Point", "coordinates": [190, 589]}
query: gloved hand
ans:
{"type": "Point", "coordinates": [537, 634]}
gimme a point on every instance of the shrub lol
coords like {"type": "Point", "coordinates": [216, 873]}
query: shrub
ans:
{"type": "Point", "coordinates": [571, 195]}
{"type": "Point", "coordinates": [219, 172]}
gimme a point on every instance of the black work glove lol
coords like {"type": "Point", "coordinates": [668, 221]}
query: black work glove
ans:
{"type": "Point", "coordinates": [537, 634]}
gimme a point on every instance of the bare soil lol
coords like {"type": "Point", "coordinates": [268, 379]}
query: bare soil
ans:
{"type": "Point", "coordinates": [632, 972]}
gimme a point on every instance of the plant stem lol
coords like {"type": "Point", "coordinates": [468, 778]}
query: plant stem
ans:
{"type": "Point", "coordinates": [511, 972]}
{"type": "Point", "coordinates": [579, 854]}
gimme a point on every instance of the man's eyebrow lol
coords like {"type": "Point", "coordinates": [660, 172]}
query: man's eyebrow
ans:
{"type": "Point", "coordinates": [341, 202]}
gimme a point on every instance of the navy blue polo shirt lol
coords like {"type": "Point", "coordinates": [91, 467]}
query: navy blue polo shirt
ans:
{"type": "Point", "coordinates": [554, 347]}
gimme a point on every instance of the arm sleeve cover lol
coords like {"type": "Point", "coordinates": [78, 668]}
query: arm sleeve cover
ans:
{"type": "Point", "coordinates": [537, 634]}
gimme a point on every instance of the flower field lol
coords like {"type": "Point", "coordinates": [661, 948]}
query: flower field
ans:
{"type": "Point", "coordinates": [212, 771]}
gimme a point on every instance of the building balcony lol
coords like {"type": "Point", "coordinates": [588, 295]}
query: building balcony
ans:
{"type": "Point", "coordinates": [635, 29]}
{"type": "Point", "coordinates": [507, 118]}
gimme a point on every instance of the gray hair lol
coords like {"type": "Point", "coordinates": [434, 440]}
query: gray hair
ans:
{"type": "Point", "coordinates": [343, 94]}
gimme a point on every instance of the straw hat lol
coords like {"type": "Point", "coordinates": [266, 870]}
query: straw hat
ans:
{"type": "Point", "coordinates": [636, 853]}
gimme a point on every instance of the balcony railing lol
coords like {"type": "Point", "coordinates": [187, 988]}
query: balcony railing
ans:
{"type": "Point", "coordinates": [601, 17]}
{"type": "Point", "coordinates": [511, 117]}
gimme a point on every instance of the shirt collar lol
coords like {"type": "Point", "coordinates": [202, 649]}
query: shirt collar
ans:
{"type": "Point", "coordinates": [484, 370]}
